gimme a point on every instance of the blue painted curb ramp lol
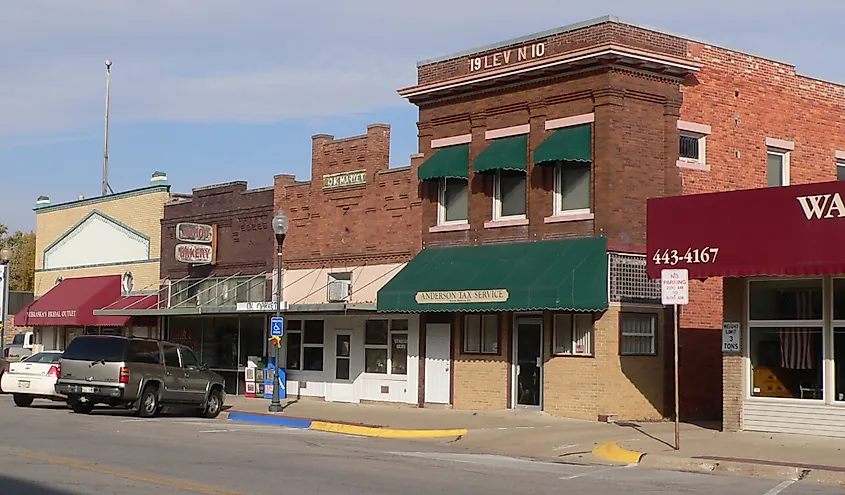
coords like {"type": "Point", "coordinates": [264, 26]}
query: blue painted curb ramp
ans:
{"type": "Point", "coordinates": [270, 420]}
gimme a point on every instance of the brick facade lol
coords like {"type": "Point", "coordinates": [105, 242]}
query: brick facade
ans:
{"type": "Point", "coordinates": [372, 222]}
{"type": "Point", "coordinates": [244, 232]}
{"type": "Point", "coordinates": [727, 93]}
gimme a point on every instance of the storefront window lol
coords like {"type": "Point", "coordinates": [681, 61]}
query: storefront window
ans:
{"type": "Point", "coordinates": [786, 339]}
{"type": "Point", "coordinates": [305, 345]}
{"type": "Point", "coordinates": [573, 334]}
{"type": "Point", "coordinates": [379, 357]}
{"type": "Point", "coordinates": [839, 339]}
{"type": "Point", "coordinates": [481, 334]}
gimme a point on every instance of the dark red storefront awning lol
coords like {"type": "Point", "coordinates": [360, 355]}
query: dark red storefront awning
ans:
{"type": "Point", "coordinates": [794, 230]}
{"type": "Point", "coordinates": [72, 303]}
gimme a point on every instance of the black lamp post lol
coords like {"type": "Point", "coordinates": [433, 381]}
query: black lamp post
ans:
{"type": "Point", "coordinates": [280, 228]}
{"type": "Point", "coordinates": [5, 258]}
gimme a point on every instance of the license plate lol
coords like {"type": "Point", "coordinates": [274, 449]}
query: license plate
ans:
{"type": "Point", "coordinates": [23, 384]}
{"type": "Point", "coordinates": [87, 390]}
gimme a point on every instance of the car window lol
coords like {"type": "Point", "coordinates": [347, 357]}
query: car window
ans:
{"type": "Point", "coordinates": [188, 358]}
{"type": "Point", "coordinates": [44, 357]}
{"type": "Point", "coordinates": [171, 355]}
{"type": "Point", "coordinates": [18, 339]}
{"type": "Point", "coordinates": [143, 351]}
{"type": "Point", "coordinates": [96, 348]}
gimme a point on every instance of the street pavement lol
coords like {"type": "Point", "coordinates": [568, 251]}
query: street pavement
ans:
{"type": "Point", "coordinates": [48, 450]}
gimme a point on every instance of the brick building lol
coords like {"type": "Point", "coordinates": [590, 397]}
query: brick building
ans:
{"type": "Point", "coordinates": [667, 116]}
{"type": "Point", "coordinates": [91, 253]}
{"type": "Point", "coordinates": [216, 263]}
{"type": "Point", "coordinates": [353, 226]}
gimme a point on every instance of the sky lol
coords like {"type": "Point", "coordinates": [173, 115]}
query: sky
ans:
{"type": "Point", "coordinates": [212, 91]}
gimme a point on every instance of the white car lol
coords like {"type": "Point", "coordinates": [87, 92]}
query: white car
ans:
{"type": "Point", "coordinates": [33, 378]}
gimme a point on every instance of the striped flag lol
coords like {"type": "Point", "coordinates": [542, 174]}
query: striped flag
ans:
{"type": "Point", "coordinates": [796, 344]}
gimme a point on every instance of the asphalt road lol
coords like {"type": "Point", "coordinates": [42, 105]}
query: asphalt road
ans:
{"type": "Point", "coordinates": [49, 450]}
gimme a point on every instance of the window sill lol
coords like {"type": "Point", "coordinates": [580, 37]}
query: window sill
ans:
{"type": "Point", "coordinates": [638, 355]}
{"type": "Point", "coordinates": [449, 228]}
{"type": "Point", "coordinates": [384, 376]}
{"type": "Point", "coordinates": [516, 222]}
{"type": "Point", "coordinates": [692, 165]}
{"type": "Point", "coordinates": [573, 355]}
{"type": "Point", "coordinates": [488, 354]}
{"type": "Point", "coordinates": [569, 217]}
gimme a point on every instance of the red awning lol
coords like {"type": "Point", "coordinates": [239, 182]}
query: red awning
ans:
{"type": "Point", "coordinates": [793, 230]}
{"type": "Point", "coordinates": [72, 303]}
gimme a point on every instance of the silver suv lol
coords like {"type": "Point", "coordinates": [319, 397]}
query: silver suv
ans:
{"type": "Point", "coordinates": [143, 375]}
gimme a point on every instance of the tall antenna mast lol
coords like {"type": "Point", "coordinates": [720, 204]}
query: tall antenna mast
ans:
{"type": "Point", "coordinates": [106, 186]}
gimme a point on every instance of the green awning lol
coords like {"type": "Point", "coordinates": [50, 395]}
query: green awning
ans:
{"type": "Point", "coordinates": [566, 275]}
{"type": "Point", "coordinates": [573, 144]}
{"type": "Point", "coordinates": [510, 153]}
{"type": "Point", "coordinates": [447, 162]}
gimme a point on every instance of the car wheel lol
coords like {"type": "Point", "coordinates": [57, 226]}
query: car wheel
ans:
{"type": "Point", "coordinates": [80, 407]}
{"type": "Point", "coordinates": [148, 405]}
{"type": "Point", "coordinates": [214, 404]}
{"type": "Point", "coordinates": [22, 400]}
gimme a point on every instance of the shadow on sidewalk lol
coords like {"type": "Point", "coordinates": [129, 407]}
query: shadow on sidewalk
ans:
{"type": "Point", "coordinates": [639, 429]}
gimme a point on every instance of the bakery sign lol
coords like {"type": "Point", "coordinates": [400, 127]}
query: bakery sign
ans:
{"type": "Point", "coordinates": [462, 296]}
{"type": "Point", "coordinates": [196, 254]}
{"type": "Point", "coordinates": [194, 232]}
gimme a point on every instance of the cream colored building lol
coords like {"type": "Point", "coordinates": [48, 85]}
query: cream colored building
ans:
{"type": "Point", "coordinates": [108, 235]}
{"type": "Point", "coordinates": [106, 250]}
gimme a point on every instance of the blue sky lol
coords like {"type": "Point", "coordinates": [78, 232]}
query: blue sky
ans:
{"type": "Point", "coordinates": [212, 91]}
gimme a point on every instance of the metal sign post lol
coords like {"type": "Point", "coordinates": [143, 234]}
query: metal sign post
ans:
{"type": "Point", "coordinates": [675, 293]}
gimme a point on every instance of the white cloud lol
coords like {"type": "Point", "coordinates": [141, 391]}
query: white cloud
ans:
{"type": "Point", "coordinates": [259, 61]}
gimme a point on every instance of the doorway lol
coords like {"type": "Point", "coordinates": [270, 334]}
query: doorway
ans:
{"type": "Point", "coordinates": [438, 379]}
{"type": "Point", "coordinates": [528, 362]}
{"type": "Point", "coordinates": [341, 387]}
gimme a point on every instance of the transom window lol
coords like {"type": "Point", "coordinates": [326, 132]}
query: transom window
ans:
{"type": "Point", "coordinates": [573, 188]}
{"type": "Point", "coordinates": [509, 195]}
{"type": "Point", "coordinates": [452, 202]}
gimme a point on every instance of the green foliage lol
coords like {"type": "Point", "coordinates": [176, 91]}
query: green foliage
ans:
{"type": "Point", "coordinates": [22, 264]}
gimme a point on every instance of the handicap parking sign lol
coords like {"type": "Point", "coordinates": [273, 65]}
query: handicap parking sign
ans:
{"type": "Point", "coordinates": [277, 325]}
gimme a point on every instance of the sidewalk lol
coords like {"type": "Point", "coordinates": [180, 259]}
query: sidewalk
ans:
{"type": "Point", "coordinates": [537, 435]}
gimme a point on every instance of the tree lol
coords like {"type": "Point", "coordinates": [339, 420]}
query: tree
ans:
{"type": "Point", "coordinates": [22, 264]}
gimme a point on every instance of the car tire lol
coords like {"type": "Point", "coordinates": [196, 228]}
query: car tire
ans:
{"type": "Point", "coordinates": [213, 405]}
{"type": "Point", "coordinates": [22, 400]}
{"type": "Point", "coordinates": [80, 407]}
{"type": "Point", "coordinates": [148, 403]}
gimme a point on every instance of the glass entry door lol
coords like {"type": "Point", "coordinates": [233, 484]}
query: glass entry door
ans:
{"type": "Point", "coordinates": [528, 357]}
{"type": "Point", "coordinates": [342, 356]}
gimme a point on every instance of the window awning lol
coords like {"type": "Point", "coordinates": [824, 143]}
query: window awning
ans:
{"type": "Point", "coordinates": [572, 144]}
{"type": "Point", "coordinates": [447, 162]}
{"type": "Point", "coordinates": [567, 275]}
{"type": "Point", "coordinates": [72, 303]}
{"type": "Point", "coordinates": [775, 231]}
{"type": "Point", "coordinates": [510, 153]}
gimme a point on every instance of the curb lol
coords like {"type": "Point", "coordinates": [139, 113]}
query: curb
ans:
{"type": "Point", "coordinates": [611, 451]}
{"type": "Point", "coordinates": [346, 429]}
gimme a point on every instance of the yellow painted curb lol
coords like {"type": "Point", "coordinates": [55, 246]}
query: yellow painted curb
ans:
{"type": "Point", "coordinates": [611, 451]}
{"type": "Point", "coordinates": [366, 431]}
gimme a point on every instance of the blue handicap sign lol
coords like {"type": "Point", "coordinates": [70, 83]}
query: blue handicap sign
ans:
{"type": "Point", "coordinates": [277, 326]}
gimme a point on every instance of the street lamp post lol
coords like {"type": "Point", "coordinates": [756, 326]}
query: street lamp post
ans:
{"type": "Point", "coordinates": [5, 273]}
{"type": "Point", "coordinates": [280, 228]}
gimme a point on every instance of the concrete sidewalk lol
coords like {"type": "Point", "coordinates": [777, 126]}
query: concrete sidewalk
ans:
{"type": "Point", "coordinates": [537, 435]}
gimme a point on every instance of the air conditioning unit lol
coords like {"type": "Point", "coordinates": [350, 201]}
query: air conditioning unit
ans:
{"type": "Point", "coordinates": [340, 286]}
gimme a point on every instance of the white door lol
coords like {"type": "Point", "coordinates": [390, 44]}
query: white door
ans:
{"type": "Point", "coordinates": [340, 386]}
{"type": "Point", "coordinates": [437, 363]}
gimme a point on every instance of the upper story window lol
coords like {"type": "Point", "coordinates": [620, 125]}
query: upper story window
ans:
{"type": "Point", "coordinates": [509, 195]}
{"type": "Point", "coordinates": [693, 145]}
{"type": "Point", "coordinates": [452, 202]}
{"type": "Point", "coordinates": [339, 286]}
{"type": "Point", "coordinates": [778, 154]}
{"type": "Point", "coordinates": [840, 165]}
{"type": "Point", "coordinates": [573, 186]}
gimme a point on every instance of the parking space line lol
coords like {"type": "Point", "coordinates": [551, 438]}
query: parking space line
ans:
{"type": "Point", "coordinates": [126, 474]}
{"type": "Point", "coordinates": [781, 487]}
{"type": "Point", "coordinates": [597, 471]}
